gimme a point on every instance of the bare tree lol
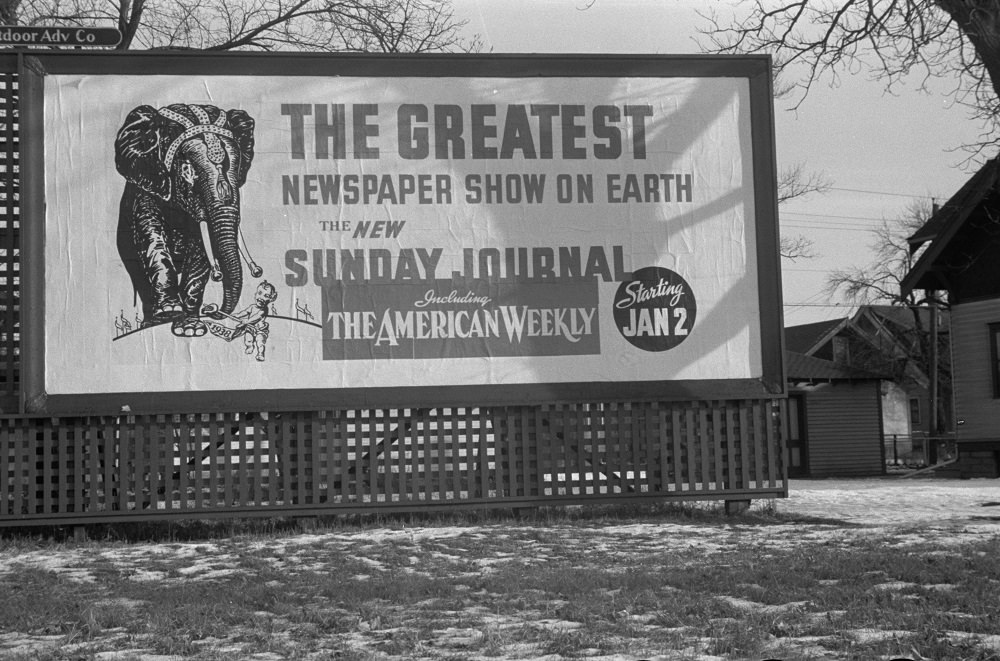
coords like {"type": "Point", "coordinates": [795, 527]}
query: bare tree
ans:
{"type": "Point", "coordinates": [951, 39]}
{"type": "Point", "coordinates": [797, 247]}
{"type": "Point", "coordinates": [795, 183]}
{"type": "Point", "coordinates": [391, 26]}
{"type": "Point", "coordinates": [879, 281]}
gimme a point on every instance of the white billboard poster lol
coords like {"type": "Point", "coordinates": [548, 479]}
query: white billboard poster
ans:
{"type": "Point", "coordinates": [257, 232]}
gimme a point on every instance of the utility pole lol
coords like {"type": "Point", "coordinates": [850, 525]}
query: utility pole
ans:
{"type": "Point", "coordinates": [932, 418]}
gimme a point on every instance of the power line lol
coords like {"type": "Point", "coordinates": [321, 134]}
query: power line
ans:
{"type": "Point", "coordinates": [827, 227]}
{"type": "Point", "coordinates": [830, 215]}
{"type": "Point", "coordinates": [809, 302]}
{"type": "Point", "coordinates": [878, 192]}
{"type": "Point", "coordinates": [805, 222]}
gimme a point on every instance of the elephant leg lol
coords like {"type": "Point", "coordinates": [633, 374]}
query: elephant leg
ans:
{"type": "Point", "coordinates": [194, 276]}
{"type": "Point", "coordinates": [155, 253]}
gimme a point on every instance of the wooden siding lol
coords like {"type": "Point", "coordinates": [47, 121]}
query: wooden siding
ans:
{"type": "Point", "coordinates": [844, 427]}
{"type": "Point", "coordinates": [973, 385]}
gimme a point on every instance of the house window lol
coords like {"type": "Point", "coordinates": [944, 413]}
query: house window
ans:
{"type": "Point", "coordinates": [995, 358]}
{"type": "Point", "coordinates": [842, 350]}
{"type": "Point", "coordinates": [915, 411]}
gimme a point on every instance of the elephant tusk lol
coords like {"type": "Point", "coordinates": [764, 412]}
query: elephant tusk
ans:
{"type": "Point", "coordinates": [255, 270]}
{"type": "Point", "coordinates": [216, 271]}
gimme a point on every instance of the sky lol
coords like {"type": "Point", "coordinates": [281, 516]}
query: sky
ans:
{"type": "Point", "coordinates": [879, 151]}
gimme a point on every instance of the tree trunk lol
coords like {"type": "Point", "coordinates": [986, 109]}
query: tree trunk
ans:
{"type": "Point", "coordinates": [8, 11]}
{"type": "Point", "coordinates": [129, 15]}
{"type": "Point", "coordinates": [979, 21]}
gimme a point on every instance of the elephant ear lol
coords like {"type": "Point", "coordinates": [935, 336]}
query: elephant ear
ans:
{"type": "Point", "coordinates": [241, 125]}
{"type": "Point", "coordinates": [139, 148]}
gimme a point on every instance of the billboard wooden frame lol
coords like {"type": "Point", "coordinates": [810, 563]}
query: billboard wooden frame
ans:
{"type": "Point", "coordinates": [34, 66]}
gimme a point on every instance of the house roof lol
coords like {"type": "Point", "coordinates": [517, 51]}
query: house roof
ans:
{"type": "Point", "coordinates": [805, 338]}
{"type": "Point", "coordinates": [945, 223]}
{"type": "Point", "coordinates": [898, 314]}
{"type": "Point", "coordinates": [902, 316]}
{"type": "Point", "coordinates": [801, 367]}
{"type": "Point", "coordinates": [887, 329]}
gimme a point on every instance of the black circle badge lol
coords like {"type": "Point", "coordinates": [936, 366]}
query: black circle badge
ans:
{"type": "Point", "coordinates": [655, 310]}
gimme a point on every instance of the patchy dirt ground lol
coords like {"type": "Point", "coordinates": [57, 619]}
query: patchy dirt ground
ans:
{"type": "Point", "coordinates": [828, 514]}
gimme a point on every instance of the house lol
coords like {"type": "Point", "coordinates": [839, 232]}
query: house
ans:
{"type": "Point", "coordinates": [891, 341]}
{"type": "Point", "coordinates": [959, 255]}
{"type": "Point", "coordinates": [833, 419]}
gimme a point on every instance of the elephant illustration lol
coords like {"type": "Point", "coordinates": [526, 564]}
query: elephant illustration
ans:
{"type": "Point", "coordinates": [179, 218]}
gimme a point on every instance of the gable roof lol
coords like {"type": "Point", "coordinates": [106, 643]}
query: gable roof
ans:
{"type": "Point", "coordinates": [806, 338]}
{"type": "Point", "coordinates": [902, 318]}
{"type": "Point", "coordinates": [898, 314]}
{"type": "Point", "coordinates": [941, 227]}
{"type": "Point", "coordinates": [889, 332]}
{"type": "Point", "coordinates": [807, 368]}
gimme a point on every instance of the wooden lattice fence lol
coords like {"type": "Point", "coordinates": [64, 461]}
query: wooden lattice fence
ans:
{"type": "Point", "coordinates": [10, 253]}
{"type": "Point", "coordinates": [311, 462]}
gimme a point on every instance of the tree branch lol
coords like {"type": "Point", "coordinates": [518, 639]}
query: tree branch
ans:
{"type": "Point", "coordinates": [821, 39]}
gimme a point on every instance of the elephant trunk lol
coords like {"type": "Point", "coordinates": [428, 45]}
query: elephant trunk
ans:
{"type": "Point", "coordinates": [223, 230]}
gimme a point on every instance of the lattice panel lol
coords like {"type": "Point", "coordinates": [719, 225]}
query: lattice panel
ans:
{"type": "Point", "coordinates": [100, 468]}
{"type": "Point", "coordinates": [10, 252]}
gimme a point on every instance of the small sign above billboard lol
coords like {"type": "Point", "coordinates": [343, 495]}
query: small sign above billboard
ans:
{"type": "Point", "coordinates": [18, 35]}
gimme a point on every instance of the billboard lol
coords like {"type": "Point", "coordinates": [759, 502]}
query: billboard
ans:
{"type": "Point", "coordinates": [365, 230]}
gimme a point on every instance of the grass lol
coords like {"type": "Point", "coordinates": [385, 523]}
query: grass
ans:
{"type": "Point", "coordinates": [504, 587]}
